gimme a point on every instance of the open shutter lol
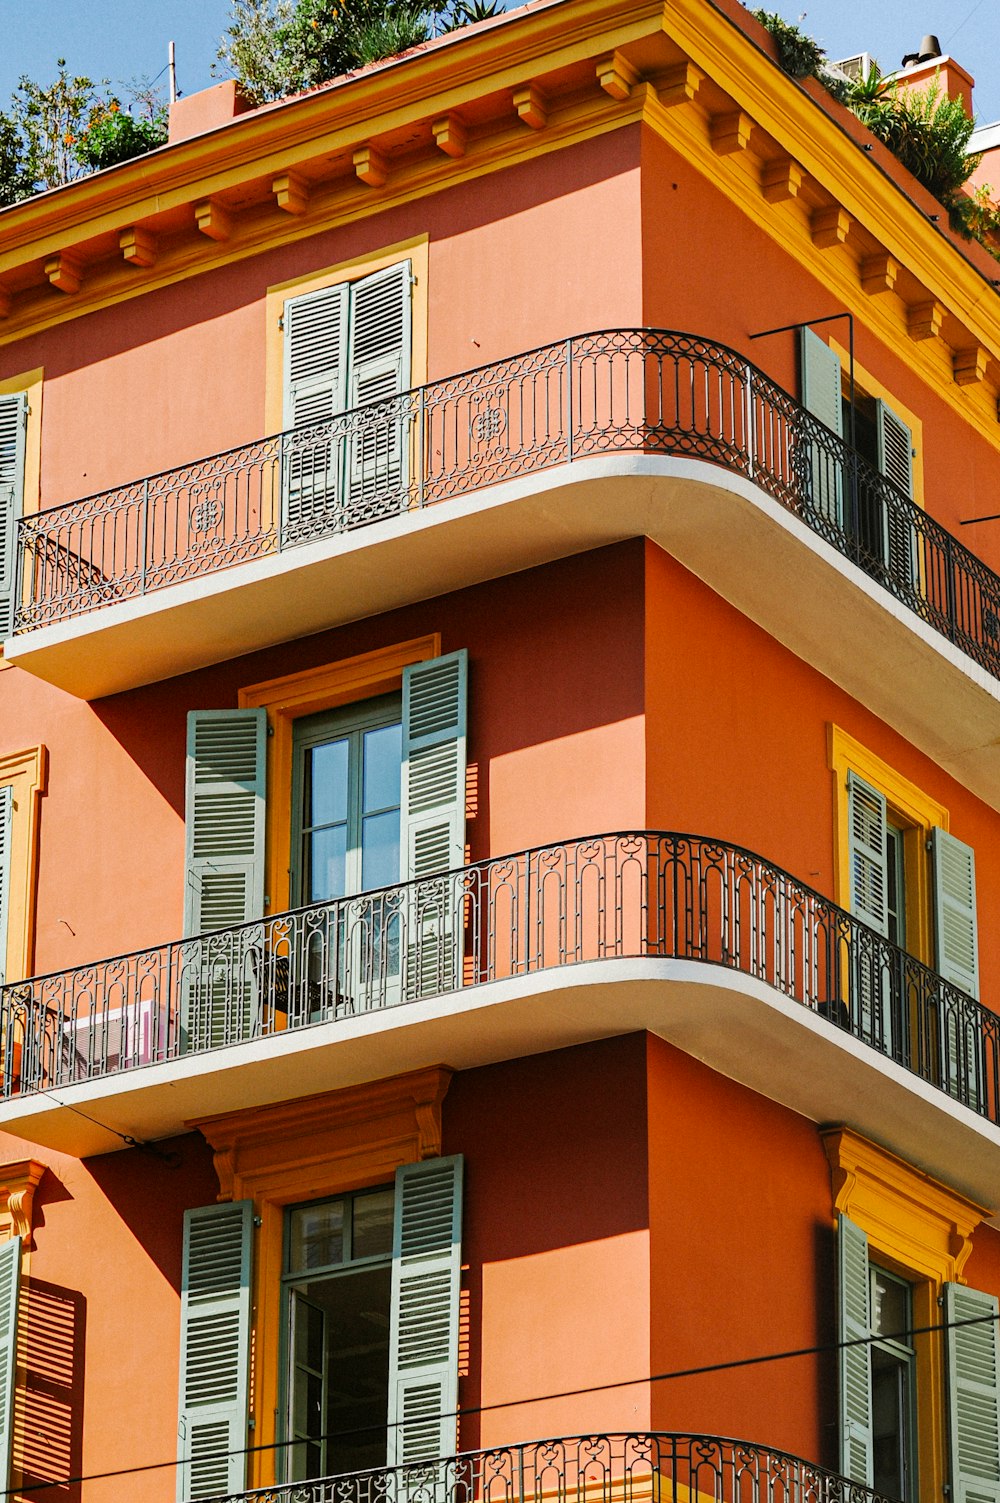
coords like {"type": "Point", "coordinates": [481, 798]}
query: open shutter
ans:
{"type": "Point", "coordinates": [13, 417]}
{"type": "Point", "coordinates": [895, 461]}
{"type": "Point", "coordinates": [956, 949]}
{"type": "Point", "coordinates": [215, 1350]}
{"type": "Point", "coordinates": [869, 868]}
{"type": "Point", "coordinates": [316, 387]}
{"type": "Point", "coordinates": [855, 1362]}
{"type": "Point", "coordinates": [432, 819]}
{"type": "Point", "coordinates": [972, 1363]}
{"type": "Point", "coordinates": [820, 375]}
{"type": "Point", "coordinates": [426, 1271]}
{"type": "Point", "coordinates": [10, 1286]}
{"type": "Point", "coordinates": [226, 771]}
{"type": "Point", "coordinates": [6, 822]}
{"type": "Point", "coordinates": [380, 371]}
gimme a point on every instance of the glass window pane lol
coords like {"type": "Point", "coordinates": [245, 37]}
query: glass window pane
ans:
{"type": "Point", "coordinates": [326, 783]}
{"type": "Point", "coordinates": [373, 1225]}
{"type": "Point", "coordinates": [383, 754]}
{"type": "Point", "coordinates": [326, 864]}
{"type": "Point", "coordinates": [316, 1236]}
{"type": "Point", "coordinates": [380, 850]}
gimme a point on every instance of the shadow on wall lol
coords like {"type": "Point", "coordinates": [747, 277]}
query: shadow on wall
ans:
{"type": "Point", "coordinates": [48, 1401]}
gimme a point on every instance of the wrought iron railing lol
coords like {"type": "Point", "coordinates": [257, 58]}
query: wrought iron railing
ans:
{"type": "Point", "coordinates": [654, 1468]}
{"type": "Point", "coordinates": [644, 894]}
{"type": "Point", "coordinates": [638, 390]}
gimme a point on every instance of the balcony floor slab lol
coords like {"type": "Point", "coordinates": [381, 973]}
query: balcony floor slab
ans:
{"type": "Point", "coordinates": [741, 1027]}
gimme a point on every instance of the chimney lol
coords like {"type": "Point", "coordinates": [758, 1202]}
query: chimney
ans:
{"type": "Point", "coordinates": [920, 69]}
{"type": "Point", "coordinates": [206, 110]}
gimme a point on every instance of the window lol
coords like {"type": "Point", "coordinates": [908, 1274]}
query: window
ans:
{"type": "Point", "coordinates": [918, 1408]}
{"type": "Point", "coordinates": [913, 883]}
{"type": "Point", "coordinates": [346, 346]}
{"type": "Point", "coordinates": [13, 425]}
{"type": "Point", "coordinates": [885, 541]}
{"type": "Point", "coordinates": [360, 1386]}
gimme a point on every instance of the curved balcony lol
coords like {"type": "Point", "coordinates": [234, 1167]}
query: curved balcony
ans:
{"type": "Point", "coordinates": [623, 1468]}
{"type": "Point", "coordinates": [696, 939]}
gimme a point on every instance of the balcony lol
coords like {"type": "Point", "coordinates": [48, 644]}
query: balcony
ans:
{"type": "Point", "coordinates": [670, 1468]}
{"type": "Point", "coordinates": [570, 447]}
{"type": "Point", "coordinates": [730, 958]}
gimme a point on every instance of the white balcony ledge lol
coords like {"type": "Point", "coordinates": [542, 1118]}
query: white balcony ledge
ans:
{"type": "Point", "coordinates": [741, 1027]}
{"type": "Point", "coordinates": [747, 547]}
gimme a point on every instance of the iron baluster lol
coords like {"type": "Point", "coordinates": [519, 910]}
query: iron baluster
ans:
{"type": "Point", "coordinates": [569, 401]}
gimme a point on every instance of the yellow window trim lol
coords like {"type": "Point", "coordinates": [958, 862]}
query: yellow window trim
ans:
{"type": "Point", "coordinates": [871, 386]}
{"type": "Point", "coordinates": [18, 1183]}
{"type": "Point", "coordinates": [306, 1150]}
{"type": "Point", "coordinates": [25, 772]}
{"type": "Point", "coordinates": [415, 250]}
{"type": "Point", "coordinates": [288, 698]}
{"type": "Point", "coordinates": [29, 382]}
{"type": "Point", "coordinates": [917, 810]}
{"type": "Point", "coordinates": [922, 1230]}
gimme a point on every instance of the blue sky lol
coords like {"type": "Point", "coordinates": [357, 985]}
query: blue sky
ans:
{"type": "Point", "coordinates": [123, 39]}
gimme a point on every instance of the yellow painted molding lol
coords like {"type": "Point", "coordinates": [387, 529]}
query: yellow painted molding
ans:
{"type": "Point", "coordinates": [450, 135]}
{"type": "Point", "coordinates": [371, 166]}
{"type": "Point", "coordinates": [212, 219]}
{"type": "Point", "coordinates": [616, 75]}
{"type": "Point", "coordinates": [25, 772]}
{"type": "Point", "coordinates": [415, 250]}
{"type": "Point", "coordinates": [879, 273]}
{"type": "Point", "coordinates": [138, 246]}
{"type": "Point", "coordinates": [31, 383]}
{"type": "Point", "coordinates": [5, 302]}
{"type": "Point", "coordinates": [64, 272]}
{"type": "Point", "coordinates": [730, 132]}
{"type": "Point", "coordinates": [307, 1150]}
{"type": "Point", "coordinates": [291, 193]}
{"type": "Point", "coordinates": [829, 227]}
{"type": "Point", "coordinates": [970, 365]}
{"type": "Point", "coordinates": [924, 320]}
{"type": "Point", "coordinates": [680, 84]}
{"type": "Point", "coordinates": [916, 1222]}
{"type": "Point", "coordinates": [286, 700]}
{"type": "Point", "coordinates": [18, 1183]}
{"type": "Point", "coordinates": [917, 813]}
{"type": "Point", "coordinates": [532, 106]}
{"type": "Point", "coordinates": [781, 179]}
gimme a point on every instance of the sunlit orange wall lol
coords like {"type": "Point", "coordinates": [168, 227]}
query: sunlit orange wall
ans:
{"type": "Point", "coordinates": [709, 270]}
{"type": "Point", "coordinates": [556, 740]}
{"type": "Point", "coordinates": [736, 744]}
{"type": "Point", "coordinates": [556, 1241]}
{"type": "Point", "coordinates": [741, 1260]}
{"type": "Point", "coordinates": [516, 259]}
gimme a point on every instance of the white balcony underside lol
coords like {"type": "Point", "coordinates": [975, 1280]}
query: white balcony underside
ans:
{"type": "Point", "coordinates": [745, 546]}
{"type": "Point", "coordinates": [741, 1027]}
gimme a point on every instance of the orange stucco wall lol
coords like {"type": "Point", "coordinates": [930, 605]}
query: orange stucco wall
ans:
{"type": "Point", "coordinates": [687, 223]}
{"type": "Point", "coordinates": [741, 1261]}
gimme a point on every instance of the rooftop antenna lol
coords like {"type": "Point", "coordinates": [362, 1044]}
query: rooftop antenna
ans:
{"type": "Point", "coordinates": [172, 72]}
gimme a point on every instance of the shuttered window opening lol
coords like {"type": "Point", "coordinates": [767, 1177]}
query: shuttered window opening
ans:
{"type": "Point", "coordinates": [822, 470]}
{"type": "Point", "coordinates": [10, 1286]}
{"type": "Point", "coordinates": [972, 1356]}
{"type": "Point", "coordinates": [957, 959]}
{"type": "Point", "coordinates": [346, 347]}
{"type": "Point", "coordinates": [900, 540]}
{"type": "Point", "coordinates": [13, 418]}
{"type": "Point", "coordinates": [867, 844]}
{"type": "Point", "coordinates": [6, 836]}
{"type": "Point", "coordinates": [855, 1363]}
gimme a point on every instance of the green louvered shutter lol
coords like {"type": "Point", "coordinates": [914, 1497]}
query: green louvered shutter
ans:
{"type": "Point", "coordinates": [6, 823]}
{"type": "Point", "coordinates": [380, 370]}
{"type": "Point", "coordinates": [426, 1274]}
{"type": "Point", "coordinates": [226, 772]}
{"type": "Point", "coordinates": [820, 373]}
{"type": "Point", "coordinates": [972, 1362]}
{"type": "Point", "coordinates": [868, 860]}
{"type": "Point", "coordinates": [315, 390]}
{"type": "Point", "coordinates": [957, 957]}
{"type": "Point", "coordinates": [10, 1288]}
{"type": "Point", "coordinates": [432, 820]}
{"type": "Point", "coordinates": [855, 1362]}
{"type": "Point", "coordinates": [215, 1350]}
{"type": "Point", "coordinates": [895, 461]}
{"type": "Point", "coordinates": [13, 417]}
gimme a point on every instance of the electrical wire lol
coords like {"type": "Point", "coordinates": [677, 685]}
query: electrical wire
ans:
{"type": "Point", "coordinates": [948, 40]}
{"type": "Point", "coordinates": [466, 1412]}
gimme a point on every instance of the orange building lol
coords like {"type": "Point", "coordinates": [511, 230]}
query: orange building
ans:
{"type": "Point", "coordinates": [499, 788]}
